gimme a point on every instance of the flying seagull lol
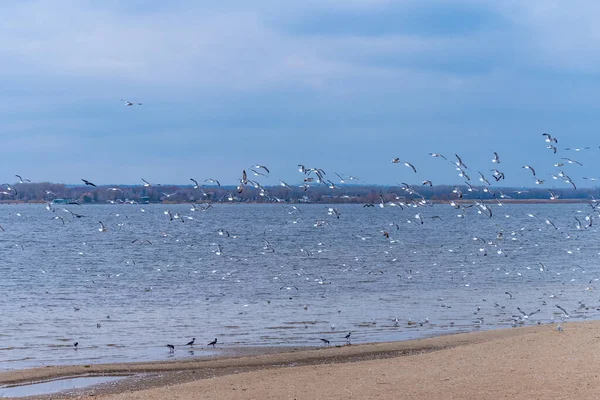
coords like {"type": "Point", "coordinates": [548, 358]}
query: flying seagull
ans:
{"type": "Point", "coordinates": [258, 166]}
{"type": "Point", "coordinates": [213, 181]}
{"type": "Point", "coordinates": [437, 155]}
{"type": "Point", "coordinates": [529, 168]}
{"type": "Point", "coordinates": [549, 138]}
{"type": "Point", "coordinates": [88, 182]}
{"type": "Point", "coordinates": [21, 180]}
{"type": "Point", "coordinates": [410, 166]}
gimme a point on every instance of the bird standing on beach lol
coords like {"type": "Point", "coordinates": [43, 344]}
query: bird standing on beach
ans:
{"type": "Point", "coordinates": [171, 348]}
{"type": "Point", "coordinates": [348, 337]}
{"type": "Point", "coordinates": [213, 343]}
{"type": "Point", "coordinates": [191, 342]}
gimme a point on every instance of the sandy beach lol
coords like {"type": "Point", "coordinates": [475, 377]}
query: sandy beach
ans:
{"type": "Point", "coordinates": [523, 363]}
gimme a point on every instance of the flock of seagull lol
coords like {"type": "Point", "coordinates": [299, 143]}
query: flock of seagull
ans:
{"type": "Point", "coordinates": [408, 199]}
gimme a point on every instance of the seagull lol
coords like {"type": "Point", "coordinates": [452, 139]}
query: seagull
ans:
{"type": "Point", "coordinates": [563, 310]}
{"type": "Point", "coordinates": [548, 222]}
{"type": "Point", "coordinates": [213, 181]}
{"type": "Point", "coordinates": [102, 227]}
{"type": "Point", "coordinates": [483, 179]}
{"type": "Point", "coordinates": [460, 163]}
{"type": "Point", "coordinates": [258, 166]}
{"type": "Point", "coordinates": [497, 174]}
{"type": "Point", "coordinates": [146, 183]}
{"type": "Point", "coordinates": [213, 343]}
{"type": "Point", "coordinates": [88, 183]}
{"type": "Point", "coordinates": [410, 166]}
{"type": "Point", "coordinates": [196, 186]}
{"type": "Point", "coordinates": [496, 158]}
{"type": "Point", "coordinates": [21, 180]}
{"type": "Point", "coordinates": [553, 196]}
{"type": "Point", "coordinates": [130, 103]}
{"type": "Point", "coordinates": [427, 183]}
{"type": "Point", "coordinates": [524, 315]}
{"type": "Point", "coordinates": [395, 160]}
{"type": "Point", "coordinates": [571, 161]}
{"type": "Point", "coordinates": [549, 138]}
{"type": "Point", "coordinates": [256, 173]}
{"type": "Point", "coordinates": [285, 185]}
{"type": "Point", "coordinates": [530, 168]}
{"type": "Point", "coordinates": [437, 155]}
{"type": "Point", "coordinates": [191, 342]}
{"type": "Point", "coordinates": [553, 148]}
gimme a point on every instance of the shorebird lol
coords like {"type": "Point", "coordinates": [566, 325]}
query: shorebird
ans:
{"type": "Point", "coordinates": [191, 342]}
{"type": "Point", "coordinates": [171, 348]}
{"type": "Point", "coordinates": [348, 337]}
{"type": "Point", "coordinates": [213, 343]}
{"type": "Point", "coordinates": [196, 185]}
{"type": "Point", "coordinates": [496, 158]}
{"type": "Point", "coordinates": [146, 183]}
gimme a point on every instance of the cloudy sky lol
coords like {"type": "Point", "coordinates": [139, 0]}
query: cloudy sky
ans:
{"type": "Point", "coordinates": [343, 85]}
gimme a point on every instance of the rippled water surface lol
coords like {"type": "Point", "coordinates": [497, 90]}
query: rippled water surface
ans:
{"type": "Point", "coordinates": [277, 276]}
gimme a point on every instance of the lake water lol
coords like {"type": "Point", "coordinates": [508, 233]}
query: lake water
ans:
{"type": "Point", "coordinates": [276, 276]}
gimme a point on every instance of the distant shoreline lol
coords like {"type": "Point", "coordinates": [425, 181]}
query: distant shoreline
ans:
{"type": "Point", "coordinates": [461, 201]}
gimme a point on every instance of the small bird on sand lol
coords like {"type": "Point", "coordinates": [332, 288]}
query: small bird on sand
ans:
{"type": "Point", "coordinates": [171, 348]}
{"type": "Point", "coordinates": [325, 342]}
{"type": "Point", "coordinates": [348, 337]}
{"type": "Point", "coordinates": [213, 343]}
{"type": "Point", "coordinates": [191, 342]}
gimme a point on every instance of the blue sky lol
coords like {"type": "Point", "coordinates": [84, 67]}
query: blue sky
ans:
{"type": "Point", "coordinates": [343, 85]}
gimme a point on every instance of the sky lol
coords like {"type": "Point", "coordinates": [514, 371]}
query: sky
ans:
{"type": "Point", "coordinates": [342, 85]}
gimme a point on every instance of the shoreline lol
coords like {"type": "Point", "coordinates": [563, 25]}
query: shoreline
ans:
{"type": "Point", "coordinates": [157, 375]}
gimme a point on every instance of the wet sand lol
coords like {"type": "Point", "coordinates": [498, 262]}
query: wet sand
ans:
{"type": "Point", "coordinates": [521, 363]}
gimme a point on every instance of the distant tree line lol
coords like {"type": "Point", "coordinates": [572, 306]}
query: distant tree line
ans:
{"type": "Point", "coordinates": [317, 193]}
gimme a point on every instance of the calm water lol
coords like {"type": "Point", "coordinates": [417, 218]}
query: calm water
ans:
{"type": "Point", "coordinates": [276, 278]}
